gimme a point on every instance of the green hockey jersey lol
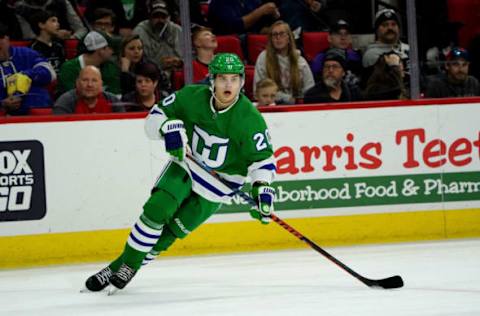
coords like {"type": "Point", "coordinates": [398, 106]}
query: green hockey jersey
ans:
{"type": "Point", "coordinates": [235, 141]}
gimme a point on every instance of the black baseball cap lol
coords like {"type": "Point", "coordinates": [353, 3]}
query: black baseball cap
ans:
{"type": "Point", "coordinates": [340, 24]}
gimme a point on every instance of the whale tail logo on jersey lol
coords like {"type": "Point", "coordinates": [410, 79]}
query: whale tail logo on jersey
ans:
{"type": "Point", "coordinates": [211, 149]}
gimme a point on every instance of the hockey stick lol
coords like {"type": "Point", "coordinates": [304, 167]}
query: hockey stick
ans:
{"type": "Point", "coordinates": [387, 283]}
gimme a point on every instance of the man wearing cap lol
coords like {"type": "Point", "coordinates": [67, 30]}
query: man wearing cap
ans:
{"type": "Point", "coordinates": [98, 53]}
{"type": "Point", "coordinates": [456, 82]}
{"type": "Point", "coordinates": [161, 37]}
{"type": "Point", "coordinates": [332, 87]}
{"type": "Point", "coordinates": [341, 38]}
{"type": "Point", "coordinates": [387, 32]}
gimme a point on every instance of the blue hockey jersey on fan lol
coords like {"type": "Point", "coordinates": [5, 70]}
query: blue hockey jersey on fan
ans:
{"type": "Point", "coordinates": [31, 63]}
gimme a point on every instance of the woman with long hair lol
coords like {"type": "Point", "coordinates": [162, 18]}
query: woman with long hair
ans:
{"type": "Point", "coordinates": [281, 61]}
{"type": "Point", "coordinates": [131, 55]}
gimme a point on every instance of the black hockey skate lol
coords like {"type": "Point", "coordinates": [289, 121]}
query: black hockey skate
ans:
{"type": "Point", "coordinates": [99, 280]}
{"type": "Point", "coordinates": [122, 277]}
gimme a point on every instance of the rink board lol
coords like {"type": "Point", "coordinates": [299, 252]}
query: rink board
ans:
{"type": "Point", "coordinates": [71, 187]}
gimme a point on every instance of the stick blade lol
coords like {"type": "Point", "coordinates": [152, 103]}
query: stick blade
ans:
{"type": "Point", "coordinates": [393, 282]}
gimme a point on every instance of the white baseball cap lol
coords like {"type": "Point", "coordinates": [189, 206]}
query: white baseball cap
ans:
{"type": "Point", "coordinates": [94, 40]}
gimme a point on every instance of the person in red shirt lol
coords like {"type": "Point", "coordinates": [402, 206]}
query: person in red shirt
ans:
{"type": "Point", "coordinates": [205, 43]}
{"type": "Point", "coordinates": [87, 97]}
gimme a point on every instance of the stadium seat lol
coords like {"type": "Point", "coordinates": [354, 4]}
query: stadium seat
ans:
{"type": "Point", "coordinates": [465, 12]}
{"type": "Point", "coordinates": [204, 9]}
{"type": "Point", "coordinates": [70, 46]}
{"type": "Point", "coordinates": [20, 43]}
{"type": "Point", "coordinates": [314, 43]}
{"type": "Point", "coordinates": [229, 44]}
{"type": "Point", "coordinates": [256, 43]}
{"type": "Point", "coordinates": [248, 87]}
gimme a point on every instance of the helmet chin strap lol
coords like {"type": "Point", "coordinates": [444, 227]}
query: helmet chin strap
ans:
{"type": "Point", "coordinates": [222, 103]}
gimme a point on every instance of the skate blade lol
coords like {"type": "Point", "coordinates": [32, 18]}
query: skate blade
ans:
{"type": "Point", "coordinates": [111, 290]}
{"type": "Point", "coordinates": [86, 290]}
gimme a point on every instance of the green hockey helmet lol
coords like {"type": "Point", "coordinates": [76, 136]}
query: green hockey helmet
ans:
{"type": "Point", "coordinates": [226, 63]}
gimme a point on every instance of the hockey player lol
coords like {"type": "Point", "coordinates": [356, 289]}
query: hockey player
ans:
{"type": "Point", "coordinates": [222, 129]}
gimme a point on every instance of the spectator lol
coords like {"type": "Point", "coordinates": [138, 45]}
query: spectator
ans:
{"type": "Point", "coordinates": [69, 20]}
{"type": "Point", "coordinates": [265, 92]}
{"type": "Point", "coordinates": [25, 74]}
{"type": "Point", "coordinates": [282, 62]}
{"type": "Point", "coordinates": [87, 97]}
{"type": "Point", "coordinates": [132, 57]}
{"type": "Point", "coordinates": [196, 17]}
{"type": "Point", "coordinates": [146, 88]}
{"type": "Point", "coordinates": [98, 53]}
{"type": "Point", "coordinates": [303, 14]}
{"type": "Point", "coordinates": [387, 31]}
{"type": "Point", "coordinates": [128, 13]}
{"type": "Point", "coordinates": [386, 81]}
{"type": "Point", "coordinates": [161, 38]}
{"type": "Point", "coordinates": [103, 20]}
{"type": "Point", "coordinates": [204, 43]}
{"type": "Point", "coordinates": [240, 17]}
{"type": "Point", "coordinates": [45, 25]}
{"type": "Point", "coordinates": [340, 37]}
{"type": "Point", "coordinates": [456, 82]}
{"type": "Point", "coordinates": [332, 87]}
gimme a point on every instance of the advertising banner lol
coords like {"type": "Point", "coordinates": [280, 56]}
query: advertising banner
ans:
{"type": "Point", "coordinates": [95, 175]}
{"type": "Point", "coordinates": [372, 157]}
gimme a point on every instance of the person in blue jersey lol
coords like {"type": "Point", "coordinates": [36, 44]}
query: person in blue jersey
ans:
{"type": "Point", "coordinates": [25, 75]}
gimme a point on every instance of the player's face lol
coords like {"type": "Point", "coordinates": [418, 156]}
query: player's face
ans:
{"type": "Point", "coordinates": [227, 87]}
{"type": "Point", "coordinates": [457, 70]}
{"type": "Point", "coordinates": [145, 86]}
{"type": "Point", "coordinates": [134, 51]}
{"type": "Point", "coordinates": [266, 96]}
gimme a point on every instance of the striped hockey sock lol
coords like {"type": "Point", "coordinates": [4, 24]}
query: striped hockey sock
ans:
{"type": "Point", "coordinates": [143, 236]}
{"type": "Point", "coordinates": [150, 257]}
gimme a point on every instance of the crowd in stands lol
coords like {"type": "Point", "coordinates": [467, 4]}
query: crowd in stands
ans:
{"type": "Point", "coordinates": [99, 56]}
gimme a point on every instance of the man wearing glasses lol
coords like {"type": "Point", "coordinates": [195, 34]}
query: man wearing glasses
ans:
{"type": "Point", "coordinates": [455, 82]}
{"type": "Point", "coordinates": [332, 86]}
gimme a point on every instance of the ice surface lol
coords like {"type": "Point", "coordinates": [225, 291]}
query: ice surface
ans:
{"type": "Point", "coordinates": [441, 278]}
